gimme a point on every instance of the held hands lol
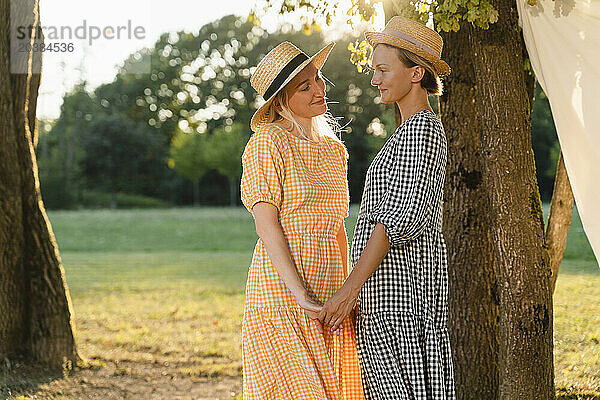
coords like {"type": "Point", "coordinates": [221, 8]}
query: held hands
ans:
{"type": "Point", "coordinates": [311, 308]}
{"type": "Point", "coordinates": [338, 307]}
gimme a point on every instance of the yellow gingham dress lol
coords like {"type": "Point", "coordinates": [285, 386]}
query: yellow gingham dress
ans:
{"type": "Point", "coordinates": [284, 356]}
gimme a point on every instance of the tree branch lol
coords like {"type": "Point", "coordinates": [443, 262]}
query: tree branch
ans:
{"type": "Point", "coordinates": [559, 221]}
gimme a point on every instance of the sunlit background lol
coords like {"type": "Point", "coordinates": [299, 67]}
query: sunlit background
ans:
{"type": "Point", "coordinates": [140, 176]}
{"type": "Point", "coordinates": [99, 62]}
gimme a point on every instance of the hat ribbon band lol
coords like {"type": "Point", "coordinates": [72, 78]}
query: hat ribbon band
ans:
{"type": "Point", "coordinates": [412, 41]}
{"type": "Point", "coordinates": [284, 73]}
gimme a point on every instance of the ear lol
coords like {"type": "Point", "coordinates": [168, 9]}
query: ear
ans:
{"type": "Point", "coordinates": [417, 74]}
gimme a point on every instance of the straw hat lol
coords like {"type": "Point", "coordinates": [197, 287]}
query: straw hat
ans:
{"type": "Point", "coordinates": [414, 37]}
{"type": "Point", "coordinates": [275, 71]}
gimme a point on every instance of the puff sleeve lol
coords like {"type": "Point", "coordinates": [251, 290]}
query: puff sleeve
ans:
{"type": "Point", "coordinates": [263, 171]}
{"type": "Point", "coordinates": [415, 181]}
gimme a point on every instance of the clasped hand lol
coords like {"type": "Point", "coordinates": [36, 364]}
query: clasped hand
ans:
{"type": "Point", "coordinates": [333, 312]}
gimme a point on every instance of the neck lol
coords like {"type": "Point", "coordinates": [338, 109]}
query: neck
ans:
{"type": "Point", "coordinates": [415, 101]}
{"type": "Point", "coordinates": [306, 124]}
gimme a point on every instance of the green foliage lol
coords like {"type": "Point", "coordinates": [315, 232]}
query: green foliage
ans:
{"type": "Point", "coordinates": [226, 148]}
{"type": "Point", "coordinates": [196, 83]}
{"type": "Point", "coordinates": [545, 144]}
{"type": "Point", "coordinates": [189, 155]}
{"type": "Point", "coordinates": [360, 53]}
{"type": "Point", "coordinates": [212, 72]}
{"type": "Point", "coordinates": [91, 199]}
{"type": "Point", "coordinates": [117, 150]}
{"type": "Point", "coordinates": [60, 152]}
{"type": "Point", "coordinates": [448, 14]}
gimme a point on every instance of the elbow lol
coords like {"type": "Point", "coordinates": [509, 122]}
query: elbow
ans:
{"type": "Point", "coordinates": [260, 230]}
{"type": "Point", "coordinates": [265, 227]}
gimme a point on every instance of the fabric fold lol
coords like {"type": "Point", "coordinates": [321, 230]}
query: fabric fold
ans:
{"type": "Point", "coordinates": [563, 42]}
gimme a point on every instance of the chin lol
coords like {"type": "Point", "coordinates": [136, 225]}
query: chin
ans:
{"type": "Point", "coordinates": [319, 110]}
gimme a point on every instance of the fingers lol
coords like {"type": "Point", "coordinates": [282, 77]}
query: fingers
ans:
{"type": "Point", "coordinates": [333, 318]}
{"type": "Point", "coordinates": [337, 324]}
{"type": "Point", "coordinates": [314, 316]}
{"type": "Point", "coordinates": [311, 314]}
{"type": "Point", "coordinates": [325, 313]}
{"type": "Point", "coordinates": [313, 309]}
{"type": "Point", "coordinates": [319, 326]}
{"type": "Point", "coordinates": [328, 316]}
{"type": "Point", "coordinates": [310, 304]}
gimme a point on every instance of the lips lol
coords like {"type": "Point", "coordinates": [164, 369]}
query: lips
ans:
{"type": "Point", "coordinates": [318, 103]}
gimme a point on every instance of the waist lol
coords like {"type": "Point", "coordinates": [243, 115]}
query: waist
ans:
{"type": "Point", "coordinates": [320, 226]}
{"type": "Point", "coordinates": [313, 233]}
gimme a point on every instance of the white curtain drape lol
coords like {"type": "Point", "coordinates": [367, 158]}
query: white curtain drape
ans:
{"type": "Point", "coordinates": [563, 41]}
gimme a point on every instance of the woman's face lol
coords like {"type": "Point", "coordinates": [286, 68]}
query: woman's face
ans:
{"type": "Point", "coordinates": [390, 75]}
{"type": "Point", "coordinates": [306, 93]}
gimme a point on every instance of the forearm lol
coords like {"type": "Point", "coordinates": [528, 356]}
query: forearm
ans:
{"type": "Point", "coordinates": [271, 233]}
{"type": "Point", "coordinates": [281, 258]}
{"type": "Point", "coordinates": [342, 240]}
{"type": "Point", "coordinates": [374, 252]}
{"type": "Point", "coordinates": [340, 305]}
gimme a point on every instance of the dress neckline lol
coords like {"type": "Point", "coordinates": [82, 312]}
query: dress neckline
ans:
{"type": "Point", "coordinates": [415, 114]}
{"type": "Point", "coordinates": [299, 139]}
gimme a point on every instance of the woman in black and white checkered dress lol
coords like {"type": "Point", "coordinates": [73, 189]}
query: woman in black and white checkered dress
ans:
{"type": "Point", "coordinates": [399, 281]}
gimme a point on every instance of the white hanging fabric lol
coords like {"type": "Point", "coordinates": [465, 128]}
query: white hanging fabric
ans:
{"type": "Point", "coordinates": [563, 41]}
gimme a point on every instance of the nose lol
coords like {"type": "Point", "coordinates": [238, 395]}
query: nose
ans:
{"type": "Point", "coordinates": [375, 81]}
{"type": "Point", "coordinates": [320, 89]}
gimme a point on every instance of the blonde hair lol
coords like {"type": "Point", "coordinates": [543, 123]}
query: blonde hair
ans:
{"type": "Point", "coordinates": [322, 125]}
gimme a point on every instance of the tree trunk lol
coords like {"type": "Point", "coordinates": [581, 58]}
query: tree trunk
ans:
{"type": "Point", "coordinates": [473, 293]}
{"type": "Point", "coordinates": [559, 221]}
{"type": "Point", "coordinates": [35, 308]}
{"type": "Point", "coordinates": [233, 188]}
{"type": "Point", "coordinates": [196, 188]}
{"type": "Point", "coordinates": [113, 200]}
{"type": "Point", "coordinates": [515, 213]}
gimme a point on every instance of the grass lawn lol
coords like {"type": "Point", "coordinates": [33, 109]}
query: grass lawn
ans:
{"type": "Point", "coordinates": [158, 300]}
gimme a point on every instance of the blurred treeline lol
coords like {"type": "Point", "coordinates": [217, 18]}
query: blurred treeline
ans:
{"type": "Point", "coordinates": [175, 136]}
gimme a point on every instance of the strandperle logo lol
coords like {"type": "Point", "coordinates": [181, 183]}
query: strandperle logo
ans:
{"type": "Point", "coordinates": [83, 32]}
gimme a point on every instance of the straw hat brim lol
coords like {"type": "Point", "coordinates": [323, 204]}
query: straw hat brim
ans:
{"type": "Point", "coordinates": [260, 117]}
{"type": "Point", "coordinates": [374, 38]}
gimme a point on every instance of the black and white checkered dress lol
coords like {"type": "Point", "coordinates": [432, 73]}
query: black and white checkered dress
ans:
{"type": "Point", "coordinates": [402, 333]}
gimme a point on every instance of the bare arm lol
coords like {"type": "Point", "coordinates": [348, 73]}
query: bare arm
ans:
{"type": "Point", "coordinates": [268, 228]}
{"type": "Point", "coordinates": [342, 240]}
{"type": "Point", "coordinates": [339, 306]}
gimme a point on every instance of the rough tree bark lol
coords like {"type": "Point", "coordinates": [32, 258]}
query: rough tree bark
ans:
{"type": "Point", "coordinates": [559, 221]}
{"type": "Point", "coordinates": [35, 308]}
{"type": "Point", "coordinates": [514, 209]}
{"type": "Point", "coordinates": [473, 294]}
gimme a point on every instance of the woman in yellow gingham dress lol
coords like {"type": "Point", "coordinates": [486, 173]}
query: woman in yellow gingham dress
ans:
{"type": "Point", "coordinates": [294, 182]}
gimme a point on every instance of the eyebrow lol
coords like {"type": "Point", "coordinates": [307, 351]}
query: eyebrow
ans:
{"type": "Point", "coordinates": [304, 81]}
{"type": "Point", "coordinates": [301, 83]}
